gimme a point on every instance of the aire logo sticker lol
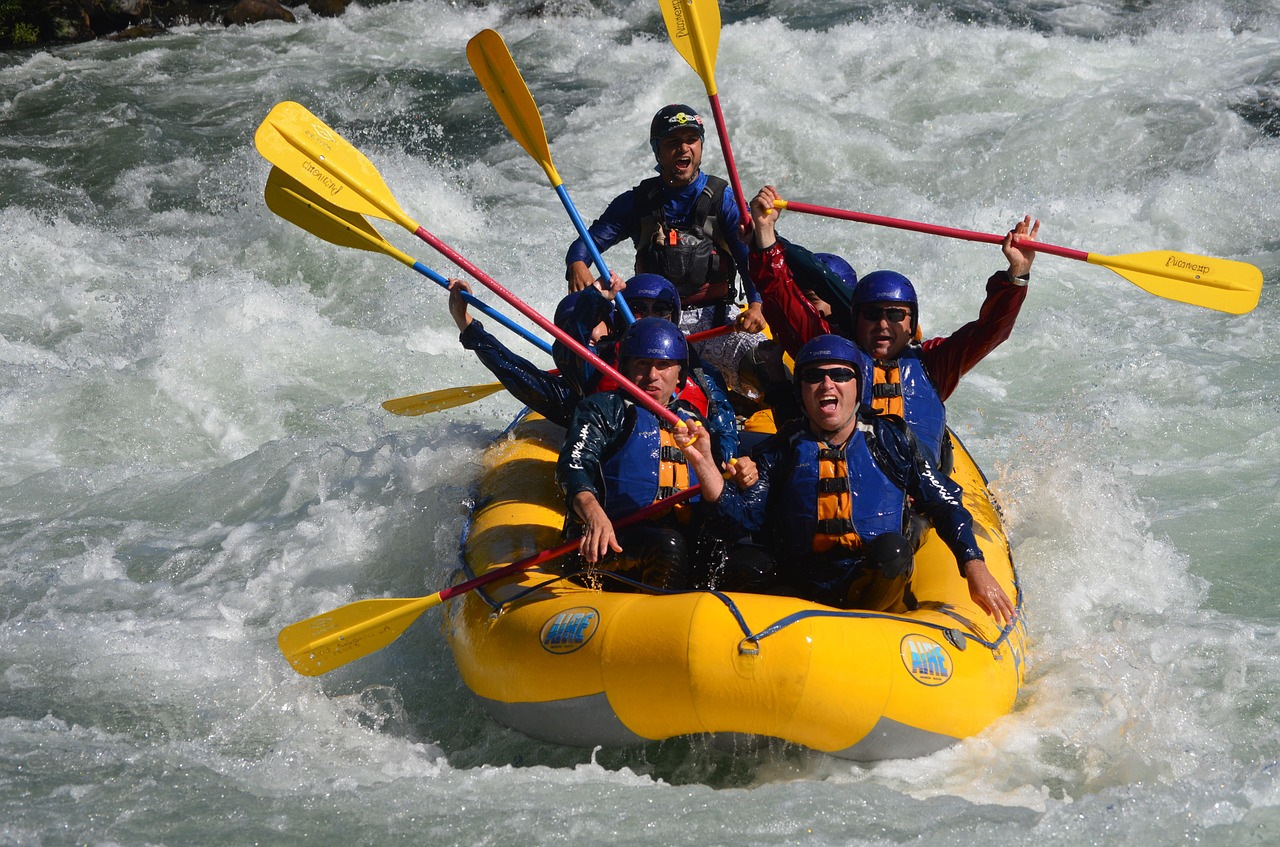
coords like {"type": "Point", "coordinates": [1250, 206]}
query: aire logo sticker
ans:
{"type": "Point", "coordinates": [926, 660]}
{"type": "Point", "coordinates": [570, 630]}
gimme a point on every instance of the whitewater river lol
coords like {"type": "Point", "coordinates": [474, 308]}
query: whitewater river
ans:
{"type": "Point", "coordinates": [193, 456]}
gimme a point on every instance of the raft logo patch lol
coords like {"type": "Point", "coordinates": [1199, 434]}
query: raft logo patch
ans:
{"type": "Point", "coordinates": [569, 630]}
{"type": "Point", "coordinates": [926, 660]}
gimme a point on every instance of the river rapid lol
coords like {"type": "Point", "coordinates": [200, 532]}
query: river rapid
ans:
{"type": "Point", "coordinates": [193, 456]}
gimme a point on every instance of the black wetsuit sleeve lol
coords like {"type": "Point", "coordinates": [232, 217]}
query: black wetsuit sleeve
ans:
{"type": "Point", "coordinates": [547, 394]}
{"type": "Point", "coordinates": [934, 495]}
{"type": "Point", "coordinates": [596, 426]}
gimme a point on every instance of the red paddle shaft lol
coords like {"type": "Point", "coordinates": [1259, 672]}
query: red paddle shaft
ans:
{"type": "Point", "coordinates": [931, 229]}
{"type": "Point", "coordinates": [567, 547]}
{"type": "Point", "coordinates": [627, 385]}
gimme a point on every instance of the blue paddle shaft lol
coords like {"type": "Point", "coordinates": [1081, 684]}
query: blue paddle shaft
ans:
{"type": "Point", "coordinates": [491, 312]}
{"type": "Point", "coordinates": [595, 251]}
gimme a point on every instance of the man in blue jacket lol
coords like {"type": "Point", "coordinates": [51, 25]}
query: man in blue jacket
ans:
{"type": "Point", "coordinates": [619, 457]}
{"type": "Point", "coordinates": [648, 295]}
{"type": "Point", "coordinates": [831, 499]}
{"type": "Point", "coordinates": [684, 225]}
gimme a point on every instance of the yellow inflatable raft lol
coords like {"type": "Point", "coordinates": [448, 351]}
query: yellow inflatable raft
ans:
{"type": "Point", "coordinates": [582, 667]}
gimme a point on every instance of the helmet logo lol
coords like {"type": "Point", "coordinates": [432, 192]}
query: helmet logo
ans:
{"type": "Point", "coordinates": [681, 118]}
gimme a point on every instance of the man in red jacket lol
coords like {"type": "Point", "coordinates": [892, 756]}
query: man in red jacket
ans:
{"type": "Point", "coordinates": [911, 380]}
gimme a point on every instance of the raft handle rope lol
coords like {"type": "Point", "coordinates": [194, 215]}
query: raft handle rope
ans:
{"type": "Point", "coordinates": [750, 643]}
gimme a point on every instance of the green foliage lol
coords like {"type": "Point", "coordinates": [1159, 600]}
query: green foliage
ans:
{"type": "Point", "coordinates": [15, 28]}
{"type": "Point", "coordinates": [25, 34]}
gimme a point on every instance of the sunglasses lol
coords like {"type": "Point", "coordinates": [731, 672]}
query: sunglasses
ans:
{"type": "Point", "coordinates": [815, 376]}
{"type": "Point", "coordinates": [895, 314]}
{"type": "Point", "coordinates": [646, 308]}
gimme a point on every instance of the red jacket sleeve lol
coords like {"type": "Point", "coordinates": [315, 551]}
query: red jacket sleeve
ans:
{"type": "Point", "coordinates": [792, 319]}
{"type": "Point", "coordinates": [948, 359]}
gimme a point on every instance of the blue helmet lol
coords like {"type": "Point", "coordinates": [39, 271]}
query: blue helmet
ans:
{"type": "Point", "coordinates": [837, 348]}
{"type": "Point", "coordinates": [671, 118]}
{"type": "Point", "coordinates": [654, 338]}
{"type": "Point", "coordinates": [654, 287]}
{"type": "Point", "coordinates": [840, 268]}
{"type": "Point", "coordinates": [830, 348]}
{"type": "Point", "coordinates": [566, 306]}
{"type": "Point", "coordinates": [887, 287]}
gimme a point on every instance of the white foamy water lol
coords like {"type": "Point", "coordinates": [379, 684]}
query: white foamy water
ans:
{"type": "Point", "coordinates": [194, 455]}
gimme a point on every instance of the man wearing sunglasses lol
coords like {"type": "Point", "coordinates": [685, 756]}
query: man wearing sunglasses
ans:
{"type": "Point", "coordinates": [909, 379]}
{"type": "Point", "coordinates": [828, 496]}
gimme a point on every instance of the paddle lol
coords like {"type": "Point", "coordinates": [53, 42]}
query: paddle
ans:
{"type": "Point", "coordinates": [306, 148]}
{"type": "Point", "coordinates": [441, 399]}
{"type": "Point", "coordinates": [501, 80]}
{"type": "Point", "coordinates": [328, 641]}
{"type": "Point", "coordinates": [694, 29]}
{"type": "Point", "coordinates": [294, 202]}
{"type": "Point", "coordinates": [449, 398]}
{"type": "Point", "coordinates": [1222, 284]}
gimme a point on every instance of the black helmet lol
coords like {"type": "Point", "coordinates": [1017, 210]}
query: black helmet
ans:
{"type": "Point", "coordinates": [671, 118]}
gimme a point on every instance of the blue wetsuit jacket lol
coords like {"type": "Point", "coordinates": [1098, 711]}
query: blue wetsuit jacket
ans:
{"type": "Point", "coordinates": [588, 312]}
{"type": "Point", "coordinates": [765, 508]}
{"type": "Point", "coordinates": [621, 220]}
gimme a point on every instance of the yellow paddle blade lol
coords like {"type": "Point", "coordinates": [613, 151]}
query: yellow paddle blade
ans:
{"type": "Point", "coordinates": [694, 29]}
{"type": "Point", "coordinates": [307, 149]}
{"type": "Point", "coordinates": [1222, 284]}
{"type": "Point", "coordinates": [493, 66]}
{"type": "Point", "coordinates": [437, 401]}
{"type": "Point", "coordinates": [294, 202]}
{"type": "Point", "coordinates": [328, 641]}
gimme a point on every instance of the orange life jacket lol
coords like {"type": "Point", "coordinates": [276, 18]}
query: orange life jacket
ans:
{"type": "Point", "coordinates": [835, 503]}
{"type": "Point", "coordinates": [886, 389]}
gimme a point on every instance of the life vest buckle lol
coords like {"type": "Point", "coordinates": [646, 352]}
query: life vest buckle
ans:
{"type": "Point", "coordinates": [833, 485]}
{"type": "Point", "coordinates": [668, 453]}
